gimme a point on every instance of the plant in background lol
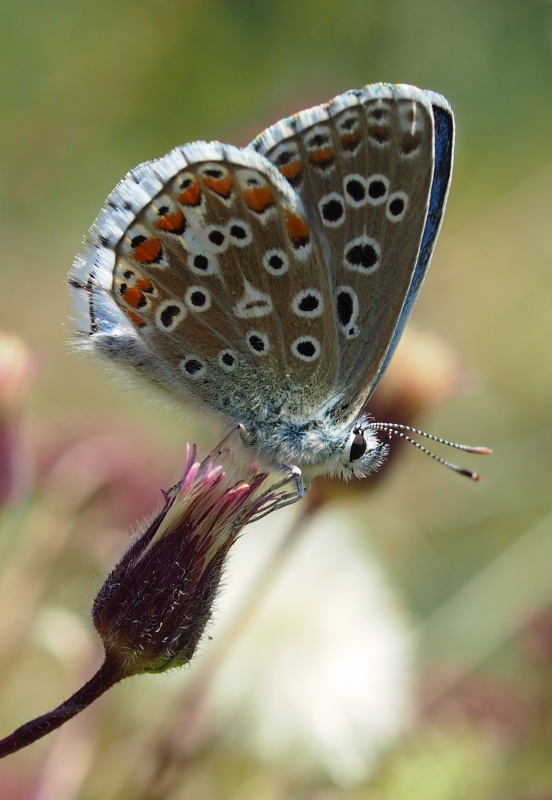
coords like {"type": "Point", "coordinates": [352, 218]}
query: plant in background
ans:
{"type": "Point", "coordinates": [154, 606]}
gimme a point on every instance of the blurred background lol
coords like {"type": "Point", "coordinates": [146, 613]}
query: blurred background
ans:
{"type": "Point", "coordinates": [401, 645]}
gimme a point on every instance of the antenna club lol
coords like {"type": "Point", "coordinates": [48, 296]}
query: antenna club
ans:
{"type": "Point", "coordinates": [474, 476]}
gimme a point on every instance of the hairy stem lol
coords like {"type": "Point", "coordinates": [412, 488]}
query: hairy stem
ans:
{"type": "Point", "coordinates": [110, 673]}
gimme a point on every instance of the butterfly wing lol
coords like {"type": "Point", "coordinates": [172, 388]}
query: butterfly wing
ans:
{"type": "Point", "coordinates": [186, 275]}
{"type": "Point", "coordinates": [363, 165]}
{"type": "Point", "coordinates": [442, 174]}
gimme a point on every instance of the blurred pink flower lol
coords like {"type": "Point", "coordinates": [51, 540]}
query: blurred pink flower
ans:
{"type": "Point", "coordinates": [536, 637]}
{"type": "Point", "coordinates": [104, 459]}
{"type": "Point", "coordinates": [16, 376]}
{"type": "Point", "coordinates": [486, 701]}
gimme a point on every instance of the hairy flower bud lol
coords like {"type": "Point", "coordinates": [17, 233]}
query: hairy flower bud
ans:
{"type": "Point", "coordinates": [153, 608]}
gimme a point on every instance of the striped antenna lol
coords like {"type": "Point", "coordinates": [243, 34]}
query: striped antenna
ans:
{"type": "Point", "coordinates": [396, 429]}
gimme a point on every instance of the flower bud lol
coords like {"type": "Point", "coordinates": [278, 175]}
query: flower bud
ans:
{"type": "Point", "coordinates": [154, 606]}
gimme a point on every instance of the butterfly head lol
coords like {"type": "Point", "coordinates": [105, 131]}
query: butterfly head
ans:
{"type": "Point", "coordinates": [320, 447]}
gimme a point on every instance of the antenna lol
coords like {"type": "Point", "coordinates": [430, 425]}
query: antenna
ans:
{"type": "Point", "coordinates": [396, 429]}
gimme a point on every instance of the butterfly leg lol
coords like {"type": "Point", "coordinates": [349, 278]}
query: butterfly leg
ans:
{"type": "Point", "coordinates": [288, 498]}
{"type": "Point", "coordinates": [291, 472]}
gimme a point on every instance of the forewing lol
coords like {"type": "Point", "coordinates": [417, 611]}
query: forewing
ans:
{"type": "Point", "coordinates": [363, 166]}
{"type": "Point", "coordinates": [443, 156]}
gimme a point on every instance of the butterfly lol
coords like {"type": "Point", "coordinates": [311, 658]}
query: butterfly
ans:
{"type": "Point", "coordinates": [270, 284]}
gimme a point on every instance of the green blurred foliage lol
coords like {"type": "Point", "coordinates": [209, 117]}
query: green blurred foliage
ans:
{"type": "Point", "coordinates": [89, 88]}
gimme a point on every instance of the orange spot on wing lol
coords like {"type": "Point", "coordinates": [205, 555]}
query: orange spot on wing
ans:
{"type": "Point", "coordinates": [133, 297]}
{"type": "Point", "coordinates": [291, 169]}
{"type": "Point", "coordinates": [380, 132]}
{"type": "Point", "coordinates": [172, 223]}
{"type": "Point", "coordinates": [350, 140]}
{"type": "Point", "coordinates": [221, 186]}
{"type": "Point", "coordinates": [322, 155]}
{"type": "Point", "coordinates": [135, 318]}
{"type": "Point", "coordinates": [145, 285]}
{"type": "Point", "coordinates": [191, 195]}
{"type": "Point", "coordinates": [148, 251]}
{"type": "Point", "coordinates": [259, 199]}
{"type": "Point", "coordinates": [297, 229]}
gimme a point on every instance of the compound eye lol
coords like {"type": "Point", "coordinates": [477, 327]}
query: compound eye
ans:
{"type": "Point", "coordinates": [358, 445]}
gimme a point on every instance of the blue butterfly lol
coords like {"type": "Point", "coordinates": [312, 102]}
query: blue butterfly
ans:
{"type": "Point", "coordinates": [270, 284]}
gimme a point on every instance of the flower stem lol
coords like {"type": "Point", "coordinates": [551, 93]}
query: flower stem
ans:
{"type": "Point", "coordinates": [107, 676]}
